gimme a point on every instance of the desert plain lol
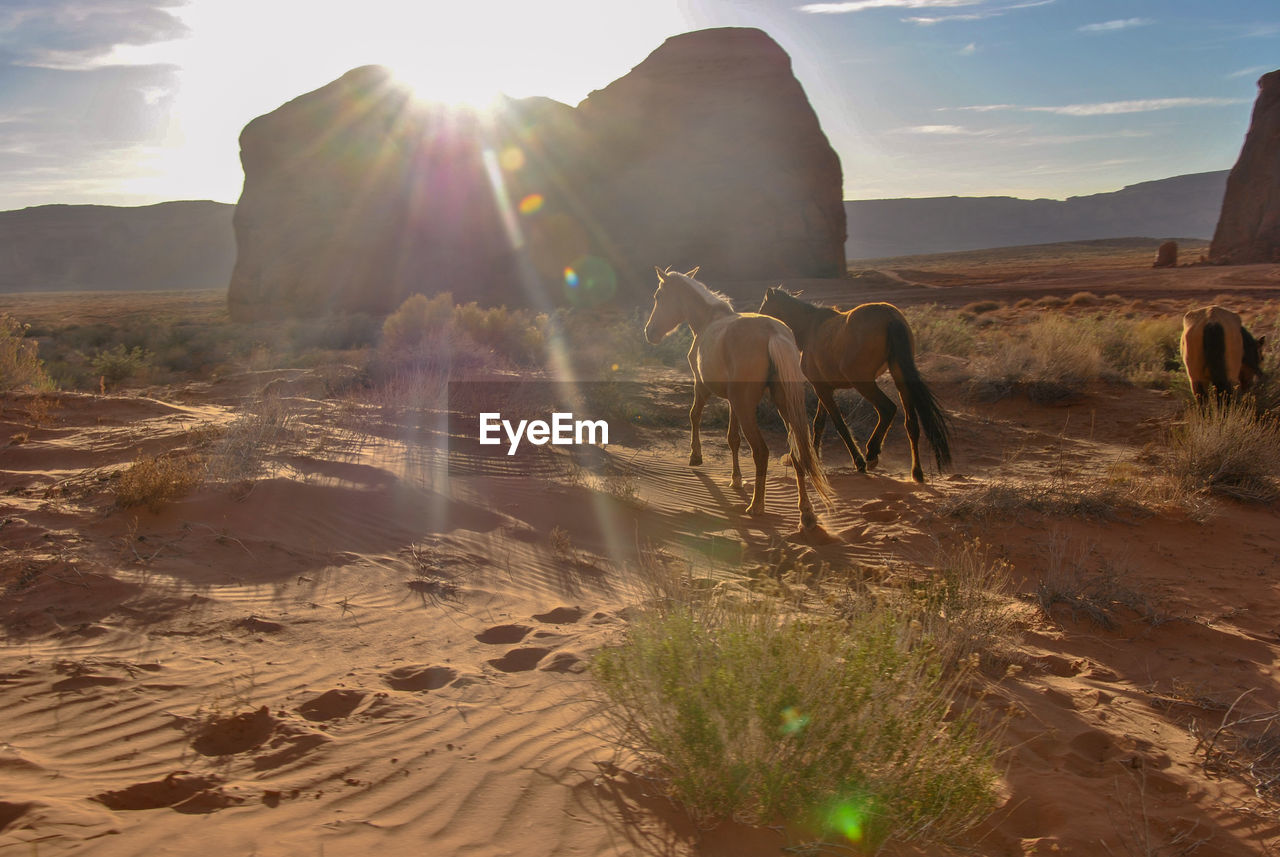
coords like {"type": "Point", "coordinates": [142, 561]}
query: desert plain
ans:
{"type": "Point", "coordinates": [335, 639]}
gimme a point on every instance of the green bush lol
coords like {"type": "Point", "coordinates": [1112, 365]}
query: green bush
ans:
{"type": "Point", "coordinates": [844, 728]}
{"type": "Point", "coordinates": [120, 364]}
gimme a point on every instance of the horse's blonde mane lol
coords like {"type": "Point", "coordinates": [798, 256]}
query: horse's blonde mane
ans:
{"type": "Point", "coordinates": [699, 288]}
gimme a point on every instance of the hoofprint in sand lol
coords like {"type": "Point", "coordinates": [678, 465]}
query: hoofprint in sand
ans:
{"type": "Point", "coordinates": [362, 648]}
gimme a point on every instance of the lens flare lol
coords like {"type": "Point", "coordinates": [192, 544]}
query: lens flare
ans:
{"type": "Point", "coordinates": [512, 159]}
{"type": "Point", "coordinates": [847, 819]}
{"type": "Point", "coordinates": [591, 281]}
{"type": "Point", "coordinates": [531, 204]}
{"type": "Point", "coordinates": [793, 722]}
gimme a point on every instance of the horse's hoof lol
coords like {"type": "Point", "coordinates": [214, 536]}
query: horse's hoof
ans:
{"type": "Point", "coordinates": [918, 475]}
{"type": "Point", "coordinates": [695, 460]}
{"type": "Point", "coordinates": [753, 509]}
{"type": "Point", "coordinates": [808, 520]}
{"type": "Point", "coordinates": [872, 462]}
{"type": "Point", "coordinates": [736, 484]}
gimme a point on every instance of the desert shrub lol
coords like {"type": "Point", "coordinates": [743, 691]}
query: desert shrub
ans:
{"type": "Point", "coordinates": [241, 450]}
{"type": "Point", "coordinates": [517, 335]}
{"type": "Point", "coordinates": [418, 320]}
{"type": "Point", "coordinates": [426, 329]}
{"type": "Point", "coordinates": [981, 307]}
{"type": "Point", "coordinates": [1051, 360]}
{"type": "Point", "coordinates": [153, 481]}
{"type": "Point", "coordinates": [20, 365]}
{"type": "Point", "coordinates": [1083, 299]}
{"type": "Point", "coordinates": [843, 727]}
{"type": "Point", "coordinates": [1227, 448]}
{"type": "Point", "coordinates": [940, 331]}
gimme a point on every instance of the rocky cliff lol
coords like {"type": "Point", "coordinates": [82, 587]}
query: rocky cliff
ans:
{"type": "Point", "coordinates": [707, 153]}
{"type": "Point", "coordinates": [1249, 226]}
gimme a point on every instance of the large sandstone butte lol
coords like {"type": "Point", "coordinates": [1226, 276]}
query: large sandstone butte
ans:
{"type": "Point", "coordinates": [1249, 226]}
{"type": "Point", "coordinates": [708, 153]}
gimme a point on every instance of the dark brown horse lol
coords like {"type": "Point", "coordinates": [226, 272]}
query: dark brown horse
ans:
{"type": "Point", "coordinates": [1218, 350]}
{"type": "Point", "coordinates": [852, 349]}
{"type": "Point", "coordinates": [737, 357]}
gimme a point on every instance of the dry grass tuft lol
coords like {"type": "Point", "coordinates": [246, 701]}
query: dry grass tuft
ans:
{"type": "Point", "coordinates": [154, 481]}
{"type": "Point", "coordinates": [1093, 590]}
{"type": "Point", "coordinates": [20, 365]}
{"type": "Point", "coordinates": [1227, 448]}
{"type": "Point", "coordinates": [1102, 499]}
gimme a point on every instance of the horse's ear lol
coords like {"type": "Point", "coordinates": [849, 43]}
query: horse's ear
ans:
{"type": "Point", "coordinates": [1262, 340]}
{"type": "Point", "coordinates": [662, 275]}
{"type": "Point", "coordinates": [693, 272]}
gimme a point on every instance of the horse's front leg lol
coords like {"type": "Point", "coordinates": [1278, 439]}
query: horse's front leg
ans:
{"type": "Point", "coordinates": [700, 394]}
{"type": "Point", "coordinates": [734, 437]}
{"type": "Point", "coordinates": [827, 405]}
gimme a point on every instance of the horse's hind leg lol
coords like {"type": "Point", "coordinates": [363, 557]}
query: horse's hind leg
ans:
{"type": "Point", "coordinates": [734, 437]}
{"type": "Point", "coordinates": [885, 410]}
{"type": "Point", "coordinates": [912, 422]}
{"type": "Point", "coordinates": [827, 404]}
{"type": "Point", "coordinates": [700, 394]}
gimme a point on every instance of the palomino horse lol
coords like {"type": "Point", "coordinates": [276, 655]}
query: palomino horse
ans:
{"type": "Point", "coordinates": [737, 357]}
{"type": "Point", "coordinates": [1217, 349]}
{"type": "Point", "coordinates": [851, 349]}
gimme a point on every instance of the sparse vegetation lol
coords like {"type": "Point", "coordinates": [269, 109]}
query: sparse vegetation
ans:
{"type": "Point", "coordinates": [20, 365]}
{"type": "Point", "coordinates": [940, 331]}
{"type": "Point", "coordinates": [1089, 588]}
{"type": "Point", "coordinates": [746, 709]}
{"type": "Point", "coordinates": [1227, 448]}
{"type": "Point", "coordinates": [153, 481]}
{"type": "Point", "coordinates": [1050, 361]}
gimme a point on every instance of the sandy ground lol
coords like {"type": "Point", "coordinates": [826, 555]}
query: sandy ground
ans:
{"type": "Point", "coordinates": [363, 650]}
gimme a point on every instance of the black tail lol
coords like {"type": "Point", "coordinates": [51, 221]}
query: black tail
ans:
{"type": "Point", "coordinates": [933, 420]}
{"type": "Point", "coordinates": [1215, 357]}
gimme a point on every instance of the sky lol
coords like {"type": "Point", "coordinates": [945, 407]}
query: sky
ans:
{"type": "Point", "coordinates": [131, 102]}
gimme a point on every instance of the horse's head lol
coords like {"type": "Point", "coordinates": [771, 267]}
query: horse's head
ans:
{"type": "Point", "coordinates": [1251, 359]}
{"type": "Point", "coordinates": [777, 301]}
{"type": "Point", "coordinates": [668, 307]}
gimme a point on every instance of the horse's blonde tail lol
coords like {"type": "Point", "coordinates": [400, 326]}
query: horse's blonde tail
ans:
{"type": "Point", "coordinates": [788, 396]}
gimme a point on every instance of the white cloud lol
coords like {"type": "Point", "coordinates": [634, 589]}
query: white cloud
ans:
{"type": "Point", "coordinates": [1112, 26]}
{"type": "Point", "coordinates": [1110, 108]}
{"type": "Point", "coordinates": [1249, 72]}
{"type": "Point", "coordinates": [942, 130]}
{"type": "Point", "coordinates": [968, 50]}
{"type": "Point", "coordinates": [860, 5]}
{"type": "Point", "coordinates": [973, 16]}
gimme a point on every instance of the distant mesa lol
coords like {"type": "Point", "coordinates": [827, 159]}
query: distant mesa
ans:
{"type": "Point", "coordinates": [707, 153]}
{"type": "Point", "coordinates": [1182, 206]}
{"type": "Point", "coordinates": [172, 245]}
{"type": "Point", "coordinates": [1249, 226]}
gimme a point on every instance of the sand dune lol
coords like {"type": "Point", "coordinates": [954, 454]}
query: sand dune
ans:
{"type": "Point", "coordinates": [363, 648]}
